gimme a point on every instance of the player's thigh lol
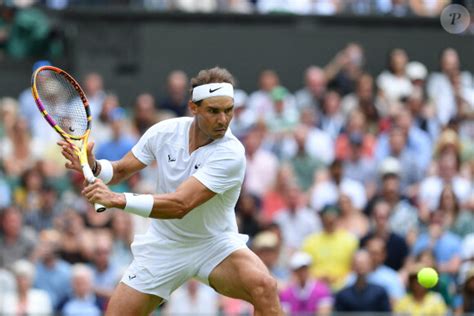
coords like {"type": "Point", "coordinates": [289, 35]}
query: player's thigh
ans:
{"type": "Point", "coordinates": [238, 274]}
{"type": "Point", "coordinates": [127, 301]}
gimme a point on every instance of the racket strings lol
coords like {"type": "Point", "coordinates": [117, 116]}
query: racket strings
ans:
{"type": "Point", "coordinates": [62, 102]}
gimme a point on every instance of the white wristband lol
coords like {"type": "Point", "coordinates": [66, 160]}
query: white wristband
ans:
{"type": "Point", "coordinates": [106, 172]}
{"type": "Point", "coordinates": [139, 204]}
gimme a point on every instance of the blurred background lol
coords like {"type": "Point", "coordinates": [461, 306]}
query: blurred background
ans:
{"type": "Point", "coordinates": [358, 121]}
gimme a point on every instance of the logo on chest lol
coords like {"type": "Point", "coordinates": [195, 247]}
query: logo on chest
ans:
{"type": "Point", "coordinates": [171, 158]}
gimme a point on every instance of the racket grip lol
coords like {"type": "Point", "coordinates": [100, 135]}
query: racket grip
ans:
{"type": "Point", "coordinates": [86, 170]}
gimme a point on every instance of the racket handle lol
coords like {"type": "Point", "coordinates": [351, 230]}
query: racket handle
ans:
{"type": "Point", "coordinates": [86, 170]}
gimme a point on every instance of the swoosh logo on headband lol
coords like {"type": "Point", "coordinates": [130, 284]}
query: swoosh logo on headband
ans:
{"type": "Point", "coordinates": [214, 90]}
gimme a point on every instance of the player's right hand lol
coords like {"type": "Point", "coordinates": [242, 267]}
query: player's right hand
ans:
{"type": "Point", "coordinates": [73, 163]}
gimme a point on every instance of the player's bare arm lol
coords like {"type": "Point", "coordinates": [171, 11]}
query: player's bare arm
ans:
{"type": "Point", "coordinates": [190, 194]}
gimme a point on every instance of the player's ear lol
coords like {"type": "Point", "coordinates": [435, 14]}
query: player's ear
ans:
{"type": "Point", "coordinates": [192, 107]}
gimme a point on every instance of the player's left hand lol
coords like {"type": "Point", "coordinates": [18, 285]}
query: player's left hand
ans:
{"type": "Point", "coordinates": [100, 193]}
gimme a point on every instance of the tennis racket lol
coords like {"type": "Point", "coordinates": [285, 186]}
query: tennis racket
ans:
{"type": "Point", "coordinates": [64, 105]}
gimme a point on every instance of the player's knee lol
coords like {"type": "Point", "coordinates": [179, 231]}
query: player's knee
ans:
{"type": "Point", "coordinates": [265, 288]}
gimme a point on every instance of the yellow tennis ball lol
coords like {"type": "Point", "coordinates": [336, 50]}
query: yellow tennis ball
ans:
{"type": "Point", "coordinates": [427, 277]}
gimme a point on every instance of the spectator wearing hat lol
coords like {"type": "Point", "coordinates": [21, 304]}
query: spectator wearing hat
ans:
{"type": "Point", "coordinates": [283, 116]}
{"type": "Point", "coordinates": [395, 245]}
{"type": "Point", "coordinates": [305, 295]}
{"type": "Point", "coordinates": [403, 218]}
{"type": "Point", "coordinates": [267, 247]}
{"type": "Point", "coordinates": [420, 301]}
{"type": "Point", "coordinates": [25, 300]}
{"type": "Point", "coordinates": [331, 249]}
{"type": "Point", "coordinates": [464, 302]}
{"type": "Point", "coordinates": [362, 296]}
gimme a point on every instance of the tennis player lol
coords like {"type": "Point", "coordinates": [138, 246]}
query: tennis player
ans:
{"type": "Point", "coordinates": [193, 234]}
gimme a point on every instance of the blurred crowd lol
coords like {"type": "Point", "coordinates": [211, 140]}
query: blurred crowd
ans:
{"type": "Point", "coordinates": [399, 8]}
{"type": "Point", "coordinates": [353, 183]}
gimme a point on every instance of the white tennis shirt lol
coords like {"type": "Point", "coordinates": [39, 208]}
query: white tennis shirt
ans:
{"type": "Point", "coordinates": [220, 166]}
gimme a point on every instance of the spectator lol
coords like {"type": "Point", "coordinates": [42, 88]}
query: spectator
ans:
{"type": "Point", "coordinates": [312, 94]}
{"type": "Point", "coordinates": [441, 89]}
{"type": "Point", "coordinates": [283, 116]}
{"type": "Point", "coordinates": [345, 68]}
{"type": "Point", "coordinates": [76, 241]}
{"type": "Point", "coordinates": [302, 162]}
{"type": "Point", "coordinates": [382, 275]}
{"type": "Point", "coordinates": [105, 272]}
{"type": "Point", "coordinates": [363, 296]}
{"type": "Point", "coordinates": [332, 120]}
{"type": "Point", "coordinates": [102, 131]}
{"type": "Point", "coordinates": [396, 247]}
{"type": "Point", "coordinates": [26, 300]}
{"type": "Point", "coordinates": [419, 301]}
{"type": "Point", "coordinates": [53, 275]}
{"type": "Point", "coordinates": [176, 100]}
{"type": "Point", "coordinates": [364, 99]}
{"type": "Point", "coordinates": [318, 144]}
{"type": "Point", "coordinates": [266, 246]}
{"type": "Point", "coordinates": [243, 118]}
{"type": "Point", "coordinates": [448, 167]}
{"type": "Point", "coordinates": [262, 165]}
{"type": "Point", "coordinates": [248, 214]}
{"type": "Point", "coordinates": [121, 142]}
{"type": "Point", "coordinates": [83, 300]}
{"type": "Point", "coordinates": [418, 141]}
{"type": "Point", "coordinates": [403, 215]}
{"type": "Point", "coordinates": [193, 298]}
{"type": "Point", "coordinates": [357, 124]}
{"type": "Point", "coordinates": [394, 83]}
{"type": "Point", "coordinates": [48, 210]}
{"type": "Point", "coordinates": [260, 101]}
{"type": "Point", "coordinates": [351, 219]}
{"type": "Point", "coordinates": [464, 303]}
{"type": "Point", "coordinates": [457, 220]}
{"type": "Point", "coordinates": [428, 8]}
{"type": "Point", "coordinates": [305, 295]}
{"type": "Point", "coordinates": [410, 173]}
{"type": "Point", "coordinates": [122, 235]}
{"type": "Point", "coordinates": [331, 249]}
{"type": "Point", "coordinates": [446, 246]}
{"type": "Point", "coordinates": [94, 89]}
{"type": "Point", "coordinates": [358, 167]}
{"type": "Point", "coordinates": [144, 113]}
{"type": "Point", "coordinates": [16, 242]}
{"type": "Point", "coordinates": [296, 221]}
{"type": "Point", "coordinates": [328, 189]}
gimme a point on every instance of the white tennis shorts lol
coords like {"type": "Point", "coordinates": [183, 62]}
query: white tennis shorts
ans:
{"type": "Point", "coordinates": [161, 266]}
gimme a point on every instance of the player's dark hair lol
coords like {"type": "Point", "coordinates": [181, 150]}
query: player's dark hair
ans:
{"type": "Point", "coordinates": [212, 75]}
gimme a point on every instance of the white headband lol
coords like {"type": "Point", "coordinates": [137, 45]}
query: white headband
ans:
{"type": "Point", "coordinates": [220, 89]}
